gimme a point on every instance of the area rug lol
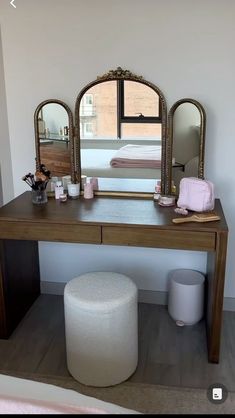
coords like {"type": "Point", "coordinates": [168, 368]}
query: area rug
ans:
{"type": "Point", "coordinates": [145, 398]}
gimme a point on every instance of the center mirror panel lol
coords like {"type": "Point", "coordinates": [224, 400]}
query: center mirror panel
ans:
{"type": "Point", "coordinates": [54, 138]}
{"type": "Point", "coordinates": [121, 125]}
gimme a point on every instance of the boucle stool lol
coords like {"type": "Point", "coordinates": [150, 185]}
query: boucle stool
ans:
{"type": "Point", "coordinates": [101, 328]}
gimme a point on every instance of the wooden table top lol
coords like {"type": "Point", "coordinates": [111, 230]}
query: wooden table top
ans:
{"type": "Point", "coordinates": [103, 211]}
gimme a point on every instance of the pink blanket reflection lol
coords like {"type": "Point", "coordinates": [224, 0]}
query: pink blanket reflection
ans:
{"type": "Point", "coordinates": [142, 156]}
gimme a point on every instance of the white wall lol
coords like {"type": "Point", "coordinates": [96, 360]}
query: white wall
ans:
{"type": "Point", "coordinates": [51, 48]}
{"type": "Point", "coordinates": [146, 266]}
{"type": "Point", "coordinates": [6, 180]}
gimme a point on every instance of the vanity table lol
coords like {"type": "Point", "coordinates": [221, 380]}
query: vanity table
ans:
{"type": "Point", "coordinates": [121, 133]}
{"type": "Point", "coordinates": [102, 220]}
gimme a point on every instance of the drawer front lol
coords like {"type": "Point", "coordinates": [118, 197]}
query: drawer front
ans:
{"type": "Point", "coordinates": [147, 237]}
{"type": "Point", "coordinates": [51, 232]}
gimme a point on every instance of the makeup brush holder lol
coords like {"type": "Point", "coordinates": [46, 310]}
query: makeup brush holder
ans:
{"type": "Point", "coordinates": [39, 196]}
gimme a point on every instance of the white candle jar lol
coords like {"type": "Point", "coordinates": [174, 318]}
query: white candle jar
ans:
{"type": "Point", "coordinates": [74, 190]}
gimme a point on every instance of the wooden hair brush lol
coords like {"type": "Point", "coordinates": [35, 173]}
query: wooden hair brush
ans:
{"type": "Point", "coordinates": [198, 217]}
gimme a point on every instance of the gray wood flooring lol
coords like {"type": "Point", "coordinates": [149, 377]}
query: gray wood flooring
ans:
{"type": "Point", "coordinates": [168, 355]}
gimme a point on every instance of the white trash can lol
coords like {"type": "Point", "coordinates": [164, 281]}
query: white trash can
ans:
{"type": "Point", "coordinates": [186, 296]}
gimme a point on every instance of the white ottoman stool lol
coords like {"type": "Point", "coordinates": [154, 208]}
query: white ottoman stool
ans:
{"type": "Point", "coordinates": [101, 328]}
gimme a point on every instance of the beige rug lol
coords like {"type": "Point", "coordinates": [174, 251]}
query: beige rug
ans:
{"type": "Point", "coordinates": [148, 399]}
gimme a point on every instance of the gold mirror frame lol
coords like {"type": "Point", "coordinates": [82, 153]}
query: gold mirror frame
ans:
{"type": "Point", "coordinates": [120, 74]}
{"type": "Point", "coordinates": [169, 141]}
{"type": "Point", "coordinates": [70, 135]}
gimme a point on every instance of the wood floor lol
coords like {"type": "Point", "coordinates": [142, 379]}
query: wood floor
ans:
{"type": "Point", "coordinates": [168, 355]}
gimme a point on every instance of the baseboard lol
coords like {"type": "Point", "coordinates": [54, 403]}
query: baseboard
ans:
{"type": "Point", "coordinates": [229, 304]}
{"type": "Point", "coordinates": [152, 296]}
{"type": "Point", "coordinates": [52, 288]}
{"type": "Point", "coordinates": [144, 296]}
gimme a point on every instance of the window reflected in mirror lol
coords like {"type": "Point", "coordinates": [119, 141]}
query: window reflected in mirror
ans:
{"type": "Point", "coordinates": [54, 142]}
{"type": "Point", "coordinates": [120, 125]}
{"type": "Point", "coordinates": [98, 112]}
{"type": "Point", "coordinates": [140, 100]}
{"type": "Point", "coordinates": [147, 131]}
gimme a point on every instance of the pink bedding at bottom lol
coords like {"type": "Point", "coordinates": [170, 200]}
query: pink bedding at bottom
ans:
{"type": "Point", "coordinates": [14, 405]}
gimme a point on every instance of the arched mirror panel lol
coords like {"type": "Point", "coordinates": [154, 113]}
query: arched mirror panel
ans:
{"type": "Point", "coordinates": [53, 123]}
{"type": "Point", "coordinates": [186, 146]}
{"type": "Point", "coordinates": [120, 121]}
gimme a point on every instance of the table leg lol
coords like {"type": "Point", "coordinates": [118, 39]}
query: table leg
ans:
{"type": "Point", "coordinates": [216, 263]}
{"type": "Point", "coordinates": [19, 282]}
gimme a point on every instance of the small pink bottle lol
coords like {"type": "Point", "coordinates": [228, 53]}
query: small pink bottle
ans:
{"type": "Point", "coordinates": [94, 182]}
{"type": "Point", "coordinates": [88, 191]}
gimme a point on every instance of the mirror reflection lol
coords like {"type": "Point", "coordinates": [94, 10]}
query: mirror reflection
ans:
{"type": "Point", "coordinates": [54, 139]}
{"type": "Point", "coordinates": [120, 124]}
{"type": "Point", "coordinates": [186, 142]}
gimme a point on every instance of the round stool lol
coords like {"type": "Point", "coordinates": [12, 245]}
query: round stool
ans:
{"type": "Point", "coordinates": [101, 328]}
{"type": "Point", "coordinates": [186, 296]}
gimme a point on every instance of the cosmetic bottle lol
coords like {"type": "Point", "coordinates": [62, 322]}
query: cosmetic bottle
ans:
{"type": "Point", "coordinates": [63, 197]}
{"type": "Point", "coordinates": [88, 191]}
{"type": "Point", "coordinates": [58, 189]}
{"type": "Point", "coordinates": [54, 179]}
{"type": "Point", "coordinates": [157, 192]}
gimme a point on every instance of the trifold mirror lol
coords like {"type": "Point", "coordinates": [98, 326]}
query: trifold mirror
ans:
{"type": "Point", "coordinates": [122, 136]}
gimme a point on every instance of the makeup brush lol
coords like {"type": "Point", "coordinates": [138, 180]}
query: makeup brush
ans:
{"type": "Point", "coordinates": [25, 178]}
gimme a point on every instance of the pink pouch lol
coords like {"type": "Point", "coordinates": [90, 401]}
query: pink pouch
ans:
{"type": "Point", "coordinates": [196, 194]}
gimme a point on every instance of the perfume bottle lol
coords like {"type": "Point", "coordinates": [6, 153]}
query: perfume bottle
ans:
{"type": "Point", "coordinates": [157, 192]}
{"type": "Point", "coordinates": [58, 189]}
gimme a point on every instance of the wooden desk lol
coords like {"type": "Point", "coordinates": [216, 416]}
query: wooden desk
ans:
{"type": "Point", "coordinates": [114, 221]}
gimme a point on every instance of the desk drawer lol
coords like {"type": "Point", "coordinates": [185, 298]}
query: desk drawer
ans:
{"type": "Point", "coordinates": [51, 232]}
{"type": "Point", "coordinates": [147, 237]}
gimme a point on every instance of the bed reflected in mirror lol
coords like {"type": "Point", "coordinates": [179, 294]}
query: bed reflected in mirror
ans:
{"type": "Point", "coordinates": [120, 128]}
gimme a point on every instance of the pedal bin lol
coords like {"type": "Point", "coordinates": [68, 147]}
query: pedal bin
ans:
{"type": "Point", "coordinates": [186, 296]}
